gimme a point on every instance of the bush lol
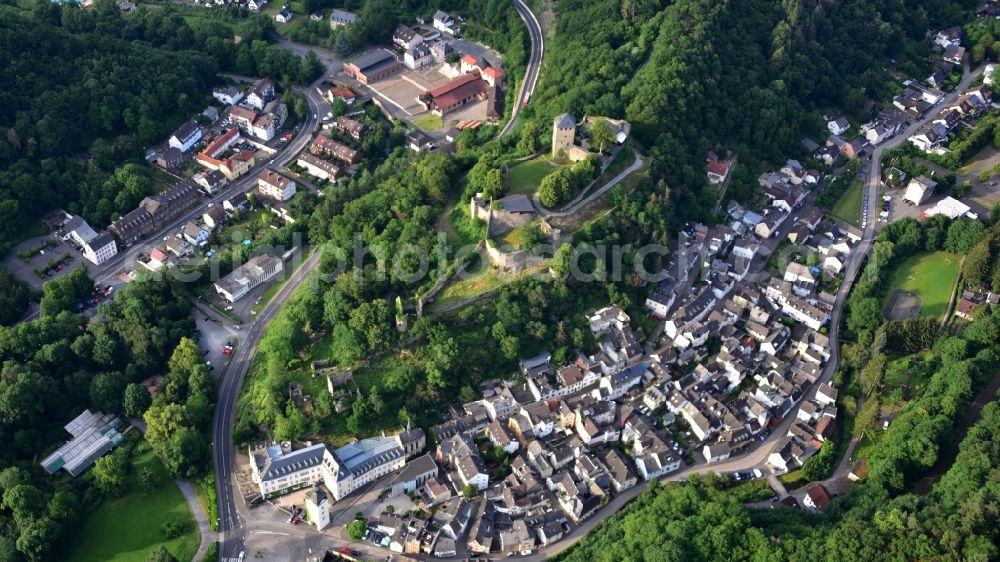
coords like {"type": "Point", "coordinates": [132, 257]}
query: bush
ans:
{"type": "Point", "coordinates": [356, 529]}
{"type": "Point", "coordinates": [172, 529]}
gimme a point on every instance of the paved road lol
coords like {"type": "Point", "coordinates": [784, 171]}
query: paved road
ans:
{"type": "Point", "coordinates": [231, 519]}
{"type": "Point", "coordinates": [534, 64]}
{"type": "Point", "coordinates": [204, 529]}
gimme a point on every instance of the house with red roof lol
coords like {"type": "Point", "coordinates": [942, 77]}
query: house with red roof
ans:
{"type": "Point", "coordinates": [456, 93]}
{"type": "Point", "coordinates": [718, 169]}
{"type": "Point", "coordinates": [818, 497]}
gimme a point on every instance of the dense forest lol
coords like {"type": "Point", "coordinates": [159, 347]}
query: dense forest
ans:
{"type": "Point", "coordinates": [752, 77]}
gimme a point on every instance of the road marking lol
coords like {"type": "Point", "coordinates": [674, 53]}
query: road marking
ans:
{"type": "Point", "coordinates": [266, 532]}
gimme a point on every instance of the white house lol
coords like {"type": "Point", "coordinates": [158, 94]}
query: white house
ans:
{"type": "Point", "coordinates": [654, 465]}
{"type": "Point", "coordinates": [950, 37]}
{"type": "Point", "coordinates": [919, 189]}
{"type": "Point", "coordinates": [417, 56]}
{"type": "Point", "coordinates": [838, 126]}
{"type": "Point", "coordinates": [444, 23]}
{"type": "Point", "coordinates": [185, 136]}
{"type": "Point", "coordinates": [100, 249]}
{"type": "Point", "coordinates": [230, 95]}
{"type": "Point", "coordinates": [988, 74]}
{"type": "Point", "coordinates": [318, 507]}
{"type": "Point", "coordinates": [194, 234]}
{"type": "Point", "coordinates": [274, 185]}
{"type": "Point", "coordinates": [716, 452]}
{"type": "Point", "coordinates": [284, 15]}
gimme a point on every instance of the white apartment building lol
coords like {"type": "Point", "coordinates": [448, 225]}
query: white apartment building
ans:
{"type": "Point", "coordinates": [247, 276]}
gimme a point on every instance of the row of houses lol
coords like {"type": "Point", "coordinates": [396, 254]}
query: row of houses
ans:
{"type": "Point", "coordinates": [970, 105]}
{"type": "Point", "coordinates": [563, 431]}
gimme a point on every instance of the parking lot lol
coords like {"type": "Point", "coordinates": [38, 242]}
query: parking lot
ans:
{"type": "Point", "coordinates": [214, 334]}
{"type": "Point", "coordinates": [25, 270]}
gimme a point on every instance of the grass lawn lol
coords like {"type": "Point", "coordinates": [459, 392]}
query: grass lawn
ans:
{"type": "Point", "coordinates": [126, 529]}
{"type": "Point", "coordinates": [525, 176]}
{"type": "Point", "coordinates": [515, 237]}
{"type": "Point", "coordinates": [848, 207]}
{"type": "Point", "coordinates": [428, 122]}
{"type": "Point", "coordinates": [930, 275]}
{"type": "Point", "coordinates": [479, 283]}
{"type": "Point", "coordinates": [986, 157]}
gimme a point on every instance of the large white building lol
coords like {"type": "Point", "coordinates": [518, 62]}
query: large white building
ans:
{"type": "Point", "coordinates": [100, 249]}
{"type": "Point", "coordinates": [278, 469]}
{"type": "Point", "coordinates": [185, 136]}
{"type": "Point", "coordinates": [247, 276]}
{"type": "Point", "coordinates": [276, 186]}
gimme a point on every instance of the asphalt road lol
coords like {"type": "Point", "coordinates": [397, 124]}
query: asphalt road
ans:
{"type": "Point", "coordinates": [231, 521]}
{"type": "Point", "coordinates": [534, 64]}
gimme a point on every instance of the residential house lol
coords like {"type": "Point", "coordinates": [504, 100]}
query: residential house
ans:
{"type": "Point", "coordinates": [417, 56]}
{"type": "Point", "coordinates": [930, 137]}
{"type": "Point", "coordinates": [406, 38]}
{"type": "Point", "coordinates": [100, 248]}
{"type": "Point", "coordinates": [343, 94]}
{"type": "Point", "coordinates": [319, 168]}
{"type": "Point", "coordinates": [954, 54]}
{"type": "Point", "coordinates": [350, 127]}
{"type": "Point", "coordinates": [214, 217]}
{"type": "Point", "coordinates": [718, 170]}
{"type": "Point", "coordinates": [949, 37]}
{"type": "Point", "coordinates": [444, 23]}
{"type": "Point", "coordinates": [284, 15]}
{"type": "Point", "coordinates": [185, 136]}
{"type": "Point", "coordinates": [339, 18]}
{"type": "Point", "coordinates": [229, 95]}
{"type": "Point", "coordinates": [838, 126]}
{"type": "Point", "coordinates": [194, 234]}
{"type": "Point", "coordinates": [260, 94]}
{"type": "Point", "coordinates": [817, 498]}
{"type": "Point", "coordinates": [275, 186]}
{"type": "Point", "coordinates": [210, 182]}
{"type": "Point", "coordinates": [324, 145]}
{"type": "Point", "coordinates": [715, 452]}
{"type": "Point", "coordinates": [919, 189]}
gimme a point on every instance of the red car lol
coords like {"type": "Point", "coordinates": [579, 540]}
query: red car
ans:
{"type": "Point", "coordinates": [227, 351]}
{"type": "Point", "coordinates": [345, 550]}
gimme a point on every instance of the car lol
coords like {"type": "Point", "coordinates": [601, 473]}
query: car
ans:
{"type": "Point", "coordinates": [774, 499]}
{"type": "Point", "coordinates": [344, 550]}
{"type": "Point", "coordinates": [204, 352]}
{"type": "Point", "coordinates": [227, 351]}
{"type": "Point", "coordinates": [207, 318]}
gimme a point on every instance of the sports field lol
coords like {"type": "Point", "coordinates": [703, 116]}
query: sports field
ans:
{"type": "Point", "coordinates": [931, 276]}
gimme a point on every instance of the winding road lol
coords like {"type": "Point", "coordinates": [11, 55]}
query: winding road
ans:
{"type": "Point", "coordinates": [232, 520]}
{"type": "Point", "coordinates": [534, 64]}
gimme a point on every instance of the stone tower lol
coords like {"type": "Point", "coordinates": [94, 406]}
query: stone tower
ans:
{"type": "Point", "coordinates": [563, 133]}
